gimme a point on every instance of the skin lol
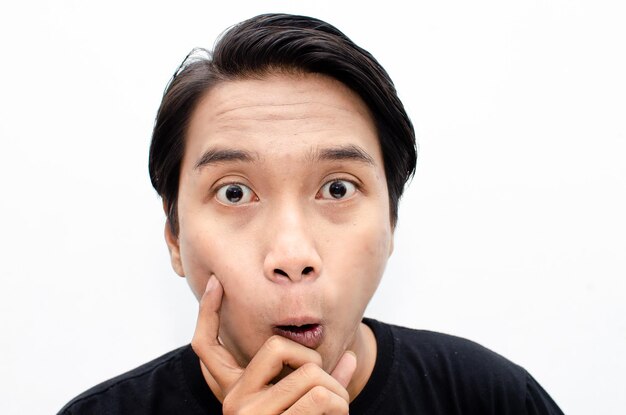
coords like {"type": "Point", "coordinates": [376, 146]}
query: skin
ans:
{"type": "Point", "coordinates": [287, 249]}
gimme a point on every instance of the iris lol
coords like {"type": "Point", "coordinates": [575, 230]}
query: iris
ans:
{"type": "Point", "coordinates": [337, 190]}
{"type": "Point", "coordinates": [234, 193]}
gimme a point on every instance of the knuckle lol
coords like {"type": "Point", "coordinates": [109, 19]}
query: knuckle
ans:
{"type": "Point", "coordinates": [285, 386]}
{"type": "Point", "coordinates": [195, 343]}
{"type": "Point", "coordinates": [233, 406]}
{"type": "Point", "coordinates": [316, 358]}
{"type": "Point", "coordinates": [343, 407]}
{"type": "Point", "coordinates": [310, 371]}
{"type": "Point", "coordinates": [229, 406]}
{"type": "Point", "coordinates": [199, 345]}
{"type": "Point", "coordinates": [275, 344]}
{"type": "Point", "coordinates": [320, 396]}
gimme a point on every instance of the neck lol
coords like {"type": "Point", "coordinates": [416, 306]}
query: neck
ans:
{"type": "Point", "coordinates": [365, 348]}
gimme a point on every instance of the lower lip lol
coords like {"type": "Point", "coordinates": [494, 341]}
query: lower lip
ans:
{"type": "Point", "coordinates": [310, 336]}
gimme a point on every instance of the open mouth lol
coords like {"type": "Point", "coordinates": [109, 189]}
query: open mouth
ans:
{"type": "Point", "coordinates": [298, 329]}
{"type": "Point", "coordinates": [308, 335]}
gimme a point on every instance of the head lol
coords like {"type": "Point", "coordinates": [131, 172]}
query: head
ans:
{"type": "Point", "coordinates": [281, 157]}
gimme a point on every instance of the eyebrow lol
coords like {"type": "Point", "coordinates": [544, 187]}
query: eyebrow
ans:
{"type": "Point", "coordinates": [348, 152]}
{"type": "Point", "coordinates": [213, 156]}
{"type": "Point", "coordinates": [338, 153]}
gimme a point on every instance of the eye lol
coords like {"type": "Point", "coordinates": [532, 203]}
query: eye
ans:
{"type": "Point", "coordinates": [235, 194]}
{"type": "Point", "coordinates": [337, 189]}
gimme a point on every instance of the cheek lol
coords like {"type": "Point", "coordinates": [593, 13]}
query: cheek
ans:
{"type": "Point", "coordinates": [375, 252]}
{"type": "Point", "coordinates": [243, 306]}
{"type": "Point", "coordinates": [197, 271]}
{"type": "Point", "coordinates": [362, 265]}
{"type": "Point", "coordinates": [204, 253]}
{"type": "Point", "coordinates": [232, 260]}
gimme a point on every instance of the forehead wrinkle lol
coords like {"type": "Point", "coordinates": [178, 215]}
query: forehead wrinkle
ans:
{"type": "Point", "coordinates": [258, 105]}
{"type": "Point", "coordinates": [267, 111]}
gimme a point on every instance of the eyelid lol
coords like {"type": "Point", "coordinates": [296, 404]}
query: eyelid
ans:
{"type": "Point", "coordinates": [353, 183]}
{"type": "Point", "coordinates": [227, 180]}
{"type": "Point", "coordinates": [249, 194]}
{"type": "Point", "coordinates": [341, 176]}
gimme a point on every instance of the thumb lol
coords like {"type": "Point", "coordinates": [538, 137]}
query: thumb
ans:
{"type": "Point", "coordinates": [345, 368]}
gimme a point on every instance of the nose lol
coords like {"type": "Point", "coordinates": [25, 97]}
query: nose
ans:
{"type": "Point", "coordinates": [292, 254]}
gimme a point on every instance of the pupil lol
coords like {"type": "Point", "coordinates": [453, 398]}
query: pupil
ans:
{"type": "Point", "coordinates": [234, 193]}
{"type": "Point", "coordinates": [337, 190]}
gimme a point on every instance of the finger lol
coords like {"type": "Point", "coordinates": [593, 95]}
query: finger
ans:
{"type": "Point", "coordinates": [208, 323]}
{"type": "Point", "coordinates": [220, 363]}
{"type": "Point", "coordinates": [276, 353]}
{"type": "Point", "coordinates": [345, 368]}
{"type": "Point", "coordinates": [289, 390]}
{"type": "Point", "coordinates": [319, 400]}
{"type": "Point", "coordinates": [269, 361]}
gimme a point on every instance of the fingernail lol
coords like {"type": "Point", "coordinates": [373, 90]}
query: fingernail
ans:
{"type": "Point", "coordinates": [212, 283]}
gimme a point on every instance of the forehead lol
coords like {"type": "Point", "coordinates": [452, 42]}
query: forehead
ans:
{"type": "Point", "coordinates": [287, 114]}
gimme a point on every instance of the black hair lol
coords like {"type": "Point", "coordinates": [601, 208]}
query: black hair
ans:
{"type": "Point", "coordinates": [266, 44]}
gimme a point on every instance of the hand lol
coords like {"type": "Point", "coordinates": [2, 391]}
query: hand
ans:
{"type": "Point", "coordinates": [306, 390]}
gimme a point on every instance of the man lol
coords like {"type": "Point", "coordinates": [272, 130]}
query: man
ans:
{"type": "Point", "coordinates": [281, 158]}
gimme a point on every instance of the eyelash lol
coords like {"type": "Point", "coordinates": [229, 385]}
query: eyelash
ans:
{"type": "Point", "coordinates": [224, 186]}
{"type": "Point", "coordinates": [357, 188]}
{"type": "Point", "coordinates": [336, 180]}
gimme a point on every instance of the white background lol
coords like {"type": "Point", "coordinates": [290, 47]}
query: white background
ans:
{"type": "Point", "coordinates": [513, 232]}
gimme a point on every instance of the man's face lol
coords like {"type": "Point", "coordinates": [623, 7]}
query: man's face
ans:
{"type": "Point", "coordinates": [283, 197]}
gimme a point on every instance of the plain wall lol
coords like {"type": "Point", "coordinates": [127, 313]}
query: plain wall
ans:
{"type": "Point", "coordinates": [512, 234]}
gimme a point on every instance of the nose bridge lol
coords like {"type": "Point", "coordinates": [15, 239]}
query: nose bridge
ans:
{"type": "Point", "coordinates": [292, 254]}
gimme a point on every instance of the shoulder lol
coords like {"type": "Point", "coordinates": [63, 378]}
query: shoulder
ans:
{"type": "Point", "coordinates": [432, 351]}
{"type": "Point", "coordinates": [439, 350]}
{"type": "Point", "coordinates": [457, 374]}
{"type": "Point", "coordinates": [137, 388]}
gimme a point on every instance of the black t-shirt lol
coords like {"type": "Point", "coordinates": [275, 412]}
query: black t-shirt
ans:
{"type": "Point", "coordinates": [416, 372]}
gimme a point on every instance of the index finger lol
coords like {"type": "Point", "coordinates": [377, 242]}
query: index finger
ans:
{"type": "Point", "coordinates": [205, 343]}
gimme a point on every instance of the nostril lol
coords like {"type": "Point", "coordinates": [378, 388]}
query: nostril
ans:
{"type": "Point", "coordinates": [307, 270]}
{"type": "Point", "coordinates": [281, 272]}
